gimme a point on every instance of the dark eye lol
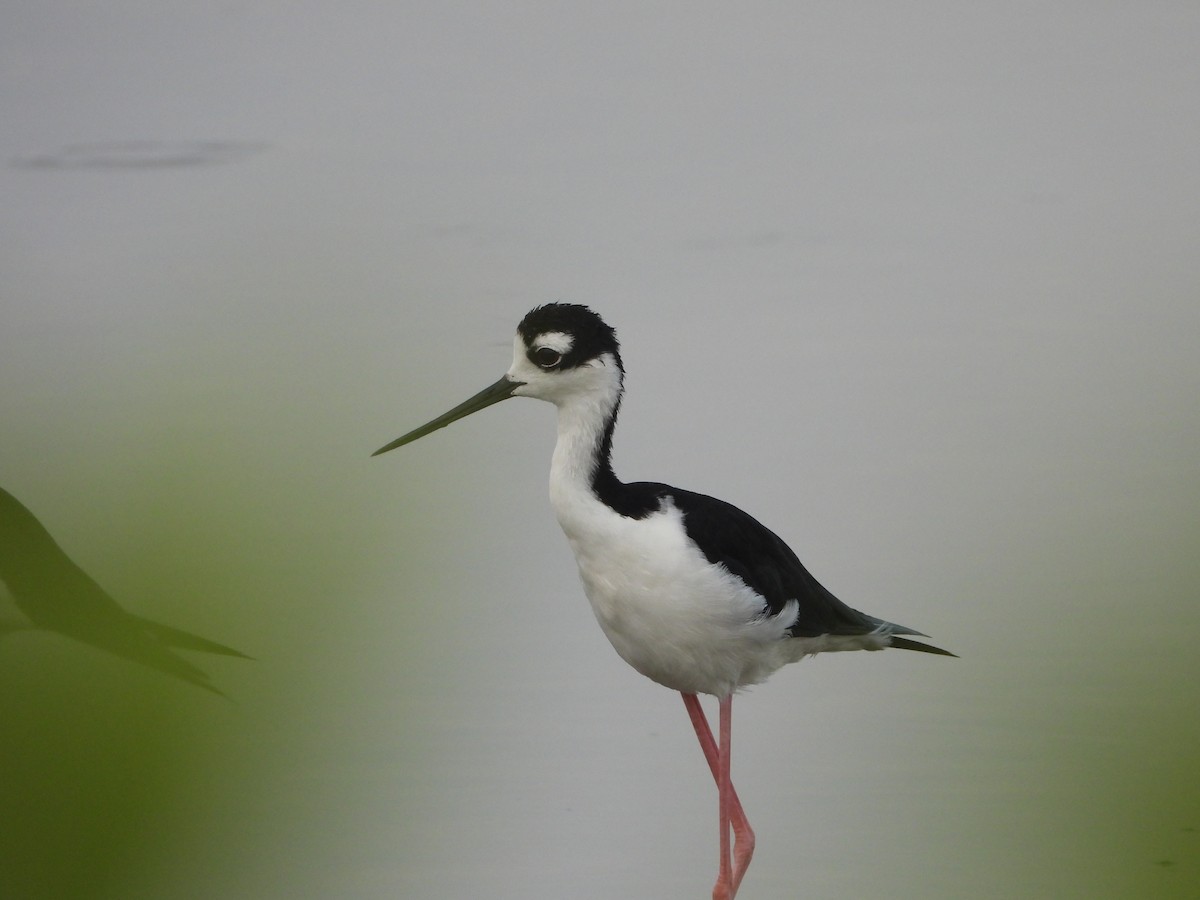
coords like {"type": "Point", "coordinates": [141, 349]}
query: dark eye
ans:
{"type": "Point", "coordinates": [547, 357]}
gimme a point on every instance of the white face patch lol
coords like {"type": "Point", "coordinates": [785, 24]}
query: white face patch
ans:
{"type": "Point", "coordinates": [524, 370]}
{"type": "Point", "coordinates": [556, 340]}
{"type": "Point", "coordinates": [587, 381]}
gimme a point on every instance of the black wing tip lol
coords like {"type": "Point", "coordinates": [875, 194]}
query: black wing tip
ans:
{"type": "Point", "coordinates": [905, 644]}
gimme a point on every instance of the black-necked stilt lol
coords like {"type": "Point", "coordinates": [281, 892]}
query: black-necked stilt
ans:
{"type": "Point", "coordinates": [691, 591]}
{"type": "Point", "coordinates": [54, 594]}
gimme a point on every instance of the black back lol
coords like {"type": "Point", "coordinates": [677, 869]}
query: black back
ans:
{"type": "Point", "coordinates": [729, 537]}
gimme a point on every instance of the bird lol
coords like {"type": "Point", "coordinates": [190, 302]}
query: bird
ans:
{"type": "Point", "coordinates": [691, 591]}
{"type": "Point", "coordinates": [51, 593]}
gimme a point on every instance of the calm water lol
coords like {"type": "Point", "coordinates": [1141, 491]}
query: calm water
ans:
{"type": "Point", "coordinates": [917, 289]}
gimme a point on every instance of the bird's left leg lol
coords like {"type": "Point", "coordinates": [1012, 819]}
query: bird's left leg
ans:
{"type": "Point", "coordinates": [743, 847]}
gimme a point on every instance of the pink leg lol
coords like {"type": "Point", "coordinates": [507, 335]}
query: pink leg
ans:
{"type": "Point", "coordinates": [724, 887]}
{"type": "Point", "coordinates": [731, 807]}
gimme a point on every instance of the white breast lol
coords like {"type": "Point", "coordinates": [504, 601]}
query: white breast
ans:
{"type": "Point", "coordinates": [671, 614]}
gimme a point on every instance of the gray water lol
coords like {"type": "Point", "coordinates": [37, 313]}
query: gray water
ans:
{"type": "Point", "coordinates": [915, 286]}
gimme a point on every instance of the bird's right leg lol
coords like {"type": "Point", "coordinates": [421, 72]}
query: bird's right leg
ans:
{"type": "Point", "coordinates": [743, 834]}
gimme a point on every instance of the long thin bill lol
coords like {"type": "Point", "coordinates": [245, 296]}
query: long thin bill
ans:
{"type": "Point", "coordinates": [501, 390]}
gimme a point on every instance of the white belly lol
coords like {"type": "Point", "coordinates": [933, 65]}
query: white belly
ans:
{"type": "Point", "coordinates": [675, 617]}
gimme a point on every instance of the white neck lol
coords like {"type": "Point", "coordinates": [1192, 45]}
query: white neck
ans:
{"type": "Point", "coordinates": [582, 420]}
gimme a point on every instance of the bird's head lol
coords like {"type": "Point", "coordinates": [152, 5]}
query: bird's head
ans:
{"type": "Point", "coordinates": [562, 353]}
